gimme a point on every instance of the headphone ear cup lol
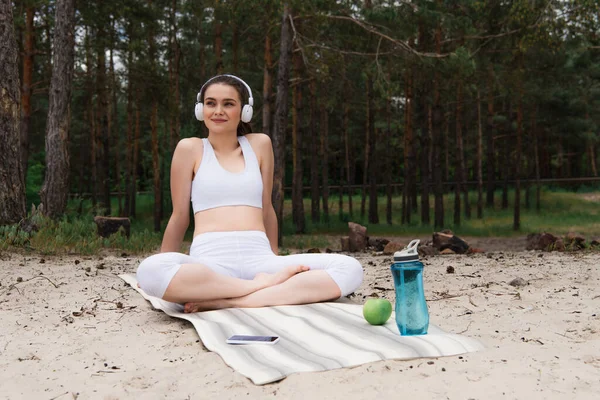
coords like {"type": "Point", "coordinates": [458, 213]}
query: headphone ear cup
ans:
{"type": "Point", "coordinates": [247, 112]}
{"type": "Point", "coordinates": [199, 111]}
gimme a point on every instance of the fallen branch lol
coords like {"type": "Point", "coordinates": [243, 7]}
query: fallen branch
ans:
{"type": "Point", "coordinates": [467, 328]}
{"type": "Point", "coordinates": [471, 301]}
{"type": "Point", "coordinates": [448, 296]}
{"type": "Point", "coordinates": [14, 285]}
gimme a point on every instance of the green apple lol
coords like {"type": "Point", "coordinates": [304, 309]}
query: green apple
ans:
{"type": "Point", "coordinates": [377, 311]}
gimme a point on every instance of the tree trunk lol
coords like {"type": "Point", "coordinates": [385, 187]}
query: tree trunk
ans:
{"type": "Point", "coordinates": [267, 87]}
{"type": "Point", "coordinates": [130, 136]}
{"type": "Point", "coordinates": [437, 139]}
{"type": "Point", "coordinates": [517, 206]}
{"type": "Point", "coordinates": [297, 181]}
{"type": "Point", "coordinates": [324, 150]}
{"type": "Point", "coordinates": [425, 152]}
{"type": "Point", "coordinates": [26, 87]}
{"type": "Point", "coordinates": [55, 190]}
{"type": "Point", "coordinates": [491, 162]}
{"type": "Point", "coordinates": [408, 146]}
{"type": "Point", "coordinates": [136, 151]}
{"type": "Point", "coordinates": [235, 44]}
{"type": "Point", "coordinates": [591, 152]}
{"type": "Point", "coordinates": [479, 159]}
{"type": "Point", "coordinates": [174, 63]}
{"type": "Point", "coordinates": [113, 121]}
{"type": "Point", "coordinates": [157, 184]}
{"type": "Point", "coordinates": [373, 163]}
{"type": "Point", "coordinates": [506, 148]}
{"type": "Point", "coordinates": [314, 156]}
{"type": "Point", "coordinates": [458, 166]}
{"type": "Point", "coordinates": [368, 95]}
{"type": "Point", "coordinates": [389, 157]}
{"type": "Point", "coordinates": [535, 133]}
{"type": "Point", "coordinates": [12, 185]}
{"type": "Point", "coordinates": [281, 111]}
{"type": "Point", "coordinates": [90, 115]}
{"type": "Point", "coordinates": [218, 30]}
{"type": "Point", "coordinates": [345, 128]}
{"type": "Point", "coordinates": [198, 13]}
{"type": "Point", "coordinates": [102, 138]}
{"type": "Point", "coordinates": [592, 155]}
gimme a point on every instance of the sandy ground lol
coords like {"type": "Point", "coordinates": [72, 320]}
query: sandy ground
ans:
{"type": "Point", "coordinates": [70, 328]}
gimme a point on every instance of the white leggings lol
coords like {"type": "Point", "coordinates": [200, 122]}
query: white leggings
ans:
{"type": "Point", "coordinates": [243, 254]}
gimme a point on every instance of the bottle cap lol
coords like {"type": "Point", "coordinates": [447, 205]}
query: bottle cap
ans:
{"type": "Point", "coordinates": [409, 253]}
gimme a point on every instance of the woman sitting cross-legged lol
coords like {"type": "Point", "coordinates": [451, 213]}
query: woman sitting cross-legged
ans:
{"type": "Point", "coordinates": [233, 259]}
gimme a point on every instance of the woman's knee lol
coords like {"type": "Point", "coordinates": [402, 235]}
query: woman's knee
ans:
{"type": "Point", "coordinates": [155, 272]}
{"type": "Point", "coordinates": [348, 274]}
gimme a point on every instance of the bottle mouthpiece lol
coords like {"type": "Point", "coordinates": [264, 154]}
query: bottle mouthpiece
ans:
{"type": "Point", "coordinates": [409, 253]}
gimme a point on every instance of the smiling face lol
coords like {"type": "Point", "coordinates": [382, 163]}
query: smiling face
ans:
{"type": "Point", "coordinates": [222, 108]}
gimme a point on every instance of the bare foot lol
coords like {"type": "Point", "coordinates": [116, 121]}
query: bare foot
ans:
{"type": "Point", "coordinates": [262, 279]}
{"type": "Point", "coordinates": [206, 305]}
{"type": "Point", "coordinates": [266, 280]}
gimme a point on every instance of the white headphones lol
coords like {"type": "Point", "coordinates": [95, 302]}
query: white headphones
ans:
{"type": "Point", "coordinates": [247, 110]}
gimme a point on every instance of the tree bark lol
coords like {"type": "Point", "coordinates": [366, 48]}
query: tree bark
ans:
{"type": "Point", "coordinates": [267, 87]}
{"type": "Point", "coordinates": [218, 31]}
{"type": "Point", "coordinates": [517, 206]}
{"type": "Point", "coordinates": [408, 147]}
{"type": "Point", "coordinates": [90, 115]}
{"type": "Point", "coordinates": [314, 156]}
{"type": "Point", "coordinates": [129, 127]}
{"type": "Point", "coordinates": [458, 171]}
{"type": "Point", "coordinates": [113, 121]}
{"type": "Point", "coordinates": [26, 87]}
{"type": "Point", "coordinates": [55, 190]}
{"type": "Point", "coordinates": [174, 64]}
{"type": "Point", "coordinates": [297, 174]}
{"type": "Point", "coordinates": [538, 187]}
{"type": "Point", "coordinates": [136, 152]}
{"type": "Point", "coordinates": [235, 45]}
{"type": "Point", "coordinates": [281, 111]}
{"type": "Point", "coordinates": [102, 138]}
{"type": "Point", "coordinates": [12, 185]}
{"type": "Point", "coordinates": [345, 128]}
{"type": "Point", "coordinates": [491, 163]}
{"type": "Point", "coordinates": [324, 150]}
{"type": "Point", "coordinates": [368, 95]}
{"type": "Point", "coordinates": [437, 139]}
{"type": "Point", "coordinates": [156, 175]}
{"type": "Point", "coordinates": [479, 159]}
{"type": "Point", "coordinates": [389, 157]}
{"type": "Point", "coordinates": [373, 163]}
{"type": "Point", "coordinates": [425, 152]}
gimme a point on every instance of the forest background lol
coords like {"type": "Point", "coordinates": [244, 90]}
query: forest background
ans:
{"type": "Point", "coordinates": [405, 116]}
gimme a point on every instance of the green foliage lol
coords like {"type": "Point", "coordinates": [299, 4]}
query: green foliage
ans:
{"type": "Point", "coordinates": [75, 235]}
{"type": "Point", "coordinates": [35, 179]}
{"type": "Point", "coordinates": [562, 212]}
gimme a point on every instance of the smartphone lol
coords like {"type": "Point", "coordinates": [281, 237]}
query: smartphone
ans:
{"type": "Point", "coordinates": [249, 339]}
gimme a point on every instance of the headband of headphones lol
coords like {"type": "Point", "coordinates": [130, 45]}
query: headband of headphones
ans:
{"type": "Point", "coordinates": [250, 99]}
{"type": "Point", "coordinates": [247, 110]}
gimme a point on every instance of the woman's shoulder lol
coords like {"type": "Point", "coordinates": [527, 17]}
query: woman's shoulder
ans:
{"type": "Point", "coordinates": [191, 144]}
{"type": "Point", "coordinates": [258, 139]}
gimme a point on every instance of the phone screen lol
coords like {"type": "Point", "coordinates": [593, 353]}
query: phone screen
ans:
{"type": "Point", "coordinates": [248, 338]}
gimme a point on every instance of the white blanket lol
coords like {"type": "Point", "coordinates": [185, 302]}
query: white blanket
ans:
{"type": "Point", "coordinates": [314, 337]}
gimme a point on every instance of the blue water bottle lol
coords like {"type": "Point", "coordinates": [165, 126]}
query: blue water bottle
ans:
{"type": "Point", "coordinates": [412, 316]}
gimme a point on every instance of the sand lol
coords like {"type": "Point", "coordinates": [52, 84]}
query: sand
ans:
{"type": "Point", "coordinates": [70, 328]}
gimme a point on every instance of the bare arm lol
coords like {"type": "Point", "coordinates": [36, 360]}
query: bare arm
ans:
{"type": "Point", "coordinates": [182, 171]}
{"type": "Point", "coordinates": [266, 169]}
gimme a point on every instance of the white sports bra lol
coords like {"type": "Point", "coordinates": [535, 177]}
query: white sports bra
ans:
{"type": "Point", "coordinates": [214, 186]}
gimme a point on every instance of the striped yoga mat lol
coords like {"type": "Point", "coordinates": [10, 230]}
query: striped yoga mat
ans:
{"type": "Point", "coordinates": [314, 337]}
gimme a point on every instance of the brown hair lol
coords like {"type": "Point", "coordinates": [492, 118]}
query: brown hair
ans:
{"type": "Point", "coordinates": [243, 127]}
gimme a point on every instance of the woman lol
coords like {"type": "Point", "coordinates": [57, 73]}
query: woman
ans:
{"type": "Point", "coordinates": [229, 178]}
